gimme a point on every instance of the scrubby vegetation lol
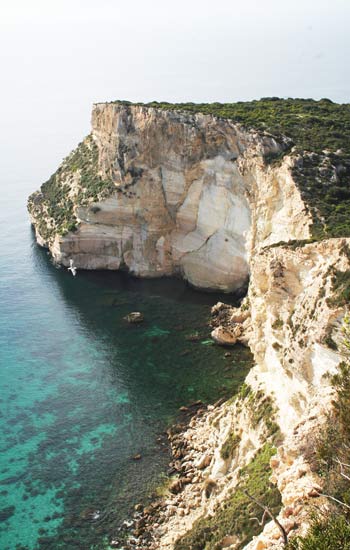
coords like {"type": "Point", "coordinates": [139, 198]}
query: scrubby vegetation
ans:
{"type": "Point", "coordinates": [328, 339]}
{"type": "Point", "coordinates": [312, 125]}
{"type": "Point", "coordinates": [341, 289]}
{"type": "Point", "coordinates": [324, 182]}
{"type": "Point", "coordinates": [236, 516]}
{"type": "Point", "coordinates": [328, 533]}
{"type": "Point", "coordinates": [261, 407]}
{"type": "Point", "coordinates": [276, 346]}
{"type": "Point", "coordinates": [340, 281]}
{"type": "Point", "coordinates": [75, 183]}
{"type": "Point", "coordinates": [230, 445]}
{"type": "Point", "coordinates": [278, 324]}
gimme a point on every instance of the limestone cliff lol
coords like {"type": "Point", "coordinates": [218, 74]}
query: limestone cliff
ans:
{"type": "Point", "coordinates": [161, 192]}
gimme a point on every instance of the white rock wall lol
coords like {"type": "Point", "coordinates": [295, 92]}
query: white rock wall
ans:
{"type": "Point", "coordinates": [204, 200]}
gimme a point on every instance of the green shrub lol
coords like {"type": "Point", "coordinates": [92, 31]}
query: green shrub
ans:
{"type": "Point", "coordinates": [276, 346]}
{"type": "Point", "coordinates": [332, 533]}
{"type": "Point", "coordinates": [341, 289]}
{"type": "Point", "coordinates": [235, 517]}
{"type": "Point", "coordinates": [278, 324]}
{"type": "Point", "coordinates": [230, 445]}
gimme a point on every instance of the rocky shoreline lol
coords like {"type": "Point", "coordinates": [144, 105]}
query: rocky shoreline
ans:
{"type": "Point", "coordinates": [203, 477]}
{"type": "Point", "coordinates": [199, 483]}
{"type": "Point", "coordinates": [230, 324]}
{"type": "Point", "coordinates": [145, 527]}
{"type": "Point", "coordinates": [191, 456]}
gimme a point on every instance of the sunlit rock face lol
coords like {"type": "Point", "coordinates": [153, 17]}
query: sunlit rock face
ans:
{"type": "Point", "coordinates": [192, 196]}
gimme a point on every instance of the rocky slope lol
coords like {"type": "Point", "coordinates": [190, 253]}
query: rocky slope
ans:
{"type": "Point", "coordinates": [161, 192]}
{"type": "Point", "coordinates": [292, 315]}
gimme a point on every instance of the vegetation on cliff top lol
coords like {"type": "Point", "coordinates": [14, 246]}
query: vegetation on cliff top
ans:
{"type": "Point", "coordinates": [312, 125]}
{"type": "Point", "coordinates": [319, 133]}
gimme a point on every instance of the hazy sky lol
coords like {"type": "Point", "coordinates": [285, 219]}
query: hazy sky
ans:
{"type": "Point", "coordinates": [57, 57]}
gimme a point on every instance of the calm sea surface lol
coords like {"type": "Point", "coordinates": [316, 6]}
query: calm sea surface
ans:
{"type": "Point", "coordinates": [82, 392]}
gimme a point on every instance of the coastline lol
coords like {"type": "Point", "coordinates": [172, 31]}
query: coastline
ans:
{"type": "Point", "coordinates": [144, 528]}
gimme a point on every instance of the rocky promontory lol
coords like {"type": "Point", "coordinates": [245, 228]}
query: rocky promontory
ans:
{"type": "Point", "coordinates": [159, 192]}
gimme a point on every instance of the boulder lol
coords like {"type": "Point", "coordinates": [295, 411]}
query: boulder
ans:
{"type": "Point", "coordinates": [204, 461]}
{"type": "Point", "coordinates": [134, 317]}
{"type": "Point", "coordinates": [230, 541]}
{"type": "Point", "coordinates": [239, 316]}
{"type": "Point", "coordinates": [225, 336]}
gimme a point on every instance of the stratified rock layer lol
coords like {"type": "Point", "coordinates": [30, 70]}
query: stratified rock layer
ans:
{"type": "Point", "coordinates": [190, 195]}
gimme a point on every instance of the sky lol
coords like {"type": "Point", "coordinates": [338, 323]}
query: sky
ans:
{"type": "Point", "coordinates": [58, 57]}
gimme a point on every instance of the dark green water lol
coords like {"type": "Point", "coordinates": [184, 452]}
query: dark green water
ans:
{"type": "Point", "coordinates": [82, 391]}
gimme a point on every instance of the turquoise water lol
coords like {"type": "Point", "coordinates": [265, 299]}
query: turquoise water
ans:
{"type": "Point", "coordinates": [82, 392]}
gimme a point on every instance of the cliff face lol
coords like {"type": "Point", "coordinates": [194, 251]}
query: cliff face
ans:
{"type": "Point", "coordinates": [292, 321]}
{"type": "Point", "coordinates": [162, 192]}
{"type": "Point", "coordinates": [178, 193]}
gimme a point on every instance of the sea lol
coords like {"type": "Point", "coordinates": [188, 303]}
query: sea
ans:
{"type": "Point", "coordinates": [83, 392]}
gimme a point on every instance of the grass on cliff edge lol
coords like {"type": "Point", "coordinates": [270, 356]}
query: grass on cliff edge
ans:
{"type": "Point", "coordinates": [235, 517]}
{"type": "Point", "coordinates": [313, 128]}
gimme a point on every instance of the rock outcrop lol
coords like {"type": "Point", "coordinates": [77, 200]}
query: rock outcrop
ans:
{"type": "Point", "coordinates": [176, 193]}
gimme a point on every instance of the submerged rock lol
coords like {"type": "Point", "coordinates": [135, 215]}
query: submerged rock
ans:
{"type": "Point", "coordinates": [6, 513]}
{"type": "Point", "coordinates": [194, 337]}
{"type": "Point", "coordinates": [134, 317]}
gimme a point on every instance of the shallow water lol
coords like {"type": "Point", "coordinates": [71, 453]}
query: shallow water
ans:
{"type": "Point", "coordinates": [82, 392]}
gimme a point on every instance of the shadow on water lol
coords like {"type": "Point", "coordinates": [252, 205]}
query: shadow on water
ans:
{"type": "Point", "coordinates": [107, 389]}
{"type": "Point", "coordinates": [104, 281]}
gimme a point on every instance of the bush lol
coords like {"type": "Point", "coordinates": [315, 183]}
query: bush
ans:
{"type": "Point", "coordinates": [332, 533]}
{"type": "Point", "coordinates": [230, 445]}
{"type": "Point", "coordinates": [235, 517]}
